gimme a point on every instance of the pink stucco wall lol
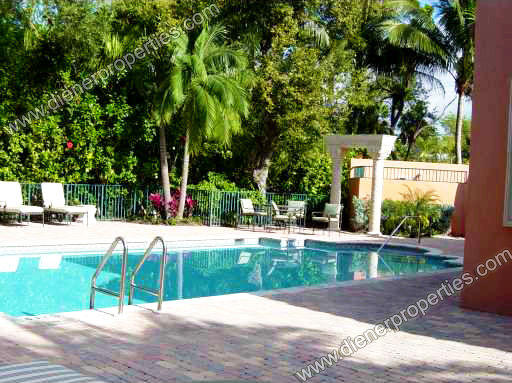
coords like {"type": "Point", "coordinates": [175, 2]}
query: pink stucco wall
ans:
{"type": "Point", "coordinates": [485, 234]}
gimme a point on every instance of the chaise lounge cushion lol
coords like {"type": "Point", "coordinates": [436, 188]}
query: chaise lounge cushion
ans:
{"type": "Point", "coordinates": [42, 372]}
{"type": "Point", "coordinates": [23, 209]}
{"type": "Point", "coordinates": [11, 200]}
{"type": "Point", "coordinates": [55, 202]}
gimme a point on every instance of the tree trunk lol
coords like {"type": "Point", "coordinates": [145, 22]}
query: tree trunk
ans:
{"type": "Point", "coordinates": [260, 173]}
{"type": "Point", "coordinates": [164, 169]}
{"type": "Point", "coordinates": [409, 147]}
{"type": "Point", "coordinates": [459, 128]}
{"type": "Point", "coordinates": [397, 109]}
{"type": "Point", "coordinates": [184, 177]}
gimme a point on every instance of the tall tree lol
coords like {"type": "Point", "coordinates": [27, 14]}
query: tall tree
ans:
{"type": "Point", "coordinates": [406, 47]}
{"type": "Point", "coordinates": [204, 87]}
{"type": "Point", "coordinates": [283, 40]}
{"type": "Point", "coordinates": [457, 18]}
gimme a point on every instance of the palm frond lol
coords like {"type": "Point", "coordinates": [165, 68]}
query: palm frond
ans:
{"type": "Point", "coordinates": [318, 32]}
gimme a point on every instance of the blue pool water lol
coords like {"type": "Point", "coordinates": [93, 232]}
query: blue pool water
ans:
{"type": "Point", "coordinates": [52, 283]}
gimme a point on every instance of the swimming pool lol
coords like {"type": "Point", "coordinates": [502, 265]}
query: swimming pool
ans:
{"type": "Point", "coordinates": [55, 282]}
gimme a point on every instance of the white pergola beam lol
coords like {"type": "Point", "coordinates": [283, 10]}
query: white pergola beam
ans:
{"type": "Point", "coordinates": [379, 147]}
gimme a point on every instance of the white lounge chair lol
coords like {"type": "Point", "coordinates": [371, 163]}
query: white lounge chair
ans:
{"type": "Point", "coordinates": [55, 203]}
{"type": "Point", "coordinates": [11, 201]}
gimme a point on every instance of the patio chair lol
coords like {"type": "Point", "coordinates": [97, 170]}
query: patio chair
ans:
{"type": "Point", "coordinates": [11, 202]}
{"type": "Point", "coordinates": [331, 214]}
{"type": "Point", "coordinates": [279, 217]}
{"type": "Point", "coordinates": [247, 210]}
{"type": "Point", "coordinates": [298, 210]}
{"type": "Point", "coordinates": [55, 203]}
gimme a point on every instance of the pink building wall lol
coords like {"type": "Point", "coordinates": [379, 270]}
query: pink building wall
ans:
{"type": "Point", "coordinates": [486, 235]}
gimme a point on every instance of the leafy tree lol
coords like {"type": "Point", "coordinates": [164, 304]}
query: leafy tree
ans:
{"type": "Point", "coordinates": [449, 124]}
{"type": "Point", "coordinates": [416, 122]}
{"type": "Point", "coordinates": [204, 88]}
{"type": "Point", "coordinates": [284, 41]}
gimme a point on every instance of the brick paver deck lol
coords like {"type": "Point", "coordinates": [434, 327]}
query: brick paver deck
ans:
{"type": "Point", "coordinates": [267, 338]}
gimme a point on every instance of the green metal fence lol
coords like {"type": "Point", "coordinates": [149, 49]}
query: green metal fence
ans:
{"type": "Point", "coordinates": [117, 202]}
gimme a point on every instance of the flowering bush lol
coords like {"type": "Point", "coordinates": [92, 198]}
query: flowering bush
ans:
{"type": "Point", "coordinates": [157, 200]}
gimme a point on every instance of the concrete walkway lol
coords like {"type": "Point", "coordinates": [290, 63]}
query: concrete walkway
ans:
{"type": "Point", "coordinates": [269, 338]}
{"type": "Point", "coordinates": [106, 232]}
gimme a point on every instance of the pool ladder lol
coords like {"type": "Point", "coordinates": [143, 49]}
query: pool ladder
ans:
{"type": "Point", "coordinates": [106, 257]}
{"type": "Point", "coordinates": [121, 294]}
{"type": "Point", "coordinates": [404, 219]}
{"type": "Point", "coordinates": [163, 260]}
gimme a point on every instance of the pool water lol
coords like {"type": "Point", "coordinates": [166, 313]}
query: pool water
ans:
{"type": "Point", "coordinates": [52, 283]}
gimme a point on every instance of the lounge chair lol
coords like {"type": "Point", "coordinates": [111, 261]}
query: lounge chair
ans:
{"type": "Point", "coordinates": [55, 203]}
{"type": "Point", "coordinates": [331, 214]}
{"type": "Point", "coordinates": [11, 201]}
{"type": "Point", "coordinates": [247, 210]}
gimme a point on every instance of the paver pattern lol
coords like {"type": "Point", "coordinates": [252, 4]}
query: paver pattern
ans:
{"type": "Point", "coordinates": [268, 338]}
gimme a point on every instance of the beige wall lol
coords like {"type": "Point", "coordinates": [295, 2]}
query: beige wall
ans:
{"type": "Point", "coordinates": [355, 162]}
{"type": "Point", "coordinates": [416, 175]}
{"type": "Point", "coordinates": [362, 188]}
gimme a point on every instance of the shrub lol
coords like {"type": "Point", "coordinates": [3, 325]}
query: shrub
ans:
{"type": "Point", "coordinates": [360, 220]}
{"type": "Point", "coordinates": [435, 218]}
{"type": "Point", "coordinates": [157, 201]}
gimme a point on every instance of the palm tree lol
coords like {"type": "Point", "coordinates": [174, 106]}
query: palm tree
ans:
{"type": "Point", "coordinates": [204, 87]}
{"type": "Point", "coordinates": [457, 18]}
{"type": "Point", "coordinates": [452, 42]}
{"type": "Point", "coordinates": [406, 47]}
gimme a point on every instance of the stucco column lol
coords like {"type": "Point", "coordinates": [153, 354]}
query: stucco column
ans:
{"type": "Point", "coordinates": [337, 156]}
{"type": "Point", "coordinates": [379, 154]}
{"type": "Point", "coordinates": [377, 188]}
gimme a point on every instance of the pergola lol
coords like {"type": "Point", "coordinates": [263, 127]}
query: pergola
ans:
{"type": "Point", "coordinates": [379, 147]}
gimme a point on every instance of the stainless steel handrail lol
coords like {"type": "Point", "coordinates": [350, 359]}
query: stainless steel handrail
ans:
{"type": "Point", "coordinates": [106, 257]}
{"type": "Point", "coordinates": [405, 218]}
{"type": "Point", "coordinates": [157, 293]}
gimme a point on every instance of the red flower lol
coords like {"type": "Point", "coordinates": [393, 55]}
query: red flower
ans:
{"type": "Point", "coordinates": [69, 145]}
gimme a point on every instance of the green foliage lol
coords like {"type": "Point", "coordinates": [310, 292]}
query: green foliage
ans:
{"type": "Point", "coordinates": [449, 125]}
{"type": "Point", "coordinates": [217, 181]}
{"type": "Point", "coordinates": [435, 219]}
{"type": "Point", "coordinates": [360, 220]}
{"type": "Point", "coordinates": [308, 68]}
